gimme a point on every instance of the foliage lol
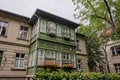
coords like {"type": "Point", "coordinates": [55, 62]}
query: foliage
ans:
{"type": "Point", "coordinates": [61, 75]}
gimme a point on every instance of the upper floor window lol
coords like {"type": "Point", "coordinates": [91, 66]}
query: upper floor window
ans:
{"type": "Point", "coordinates": [78, 44]}
{"type": "Point", "coordinates": [1, 54]}
{"type": "Point", "coordinates": [43, 26]}
{"type": "Point", "coordinates": [19, 60]}
{"type": "Point", "coordinates": [59, 30]}
{"type": "Point", "coordinates": [51, 27]}
{"type": "Point", "coordinates": [3, 28]}
{"type": "Point", "coordinates": [117, 67]}
{"type": "Point", "coordinates": [34, 30]}
{"type": "Point", "coordinates": [65, 32]}
{"type": "Point", "coordinates": [23, 33]}
{"type": "Point", "coordinates": [116, 50]}
{"type": "Point", "coordinates": [72, 34]}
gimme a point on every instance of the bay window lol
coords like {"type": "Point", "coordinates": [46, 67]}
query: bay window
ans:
{"type": "Point", "coordinates": [3, 28]}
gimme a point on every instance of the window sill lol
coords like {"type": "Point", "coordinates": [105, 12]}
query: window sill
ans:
{"type": "Point", "coordinates": [18, 69]}
{"type": "Point", "coordinates": [22, 39]}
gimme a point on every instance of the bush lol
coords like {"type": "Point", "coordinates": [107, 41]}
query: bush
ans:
{"type": "Point", "coordinates": [61, 75]}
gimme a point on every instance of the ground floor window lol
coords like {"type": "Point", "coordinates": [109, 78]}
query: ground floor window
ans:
{"type": "Point", "coordinates": [19, 60]}
{"type": "Point", "coordinates": [79, 65]}
{"type": "Point", "coordinates": [117, 67]}
{"type": "Point", "coordinates": [1, 54]}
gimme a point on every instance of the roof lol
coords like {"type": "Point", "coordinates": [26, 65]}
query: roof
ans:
{"type": "Point", "coordinates": [52, 17]}
{"type": "Point", "coordinates": [13, 14]}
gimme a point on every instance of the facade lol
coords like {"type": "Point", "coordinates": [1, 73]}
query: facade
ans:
{"type": "Point", "coordinates": [26, 45]}
{"type": "Point", "coordinates": [14, 42]}
{"type": "Point", "coordinates": [113, 56]}
{"type": "Point", "coordinates": [81, 53]}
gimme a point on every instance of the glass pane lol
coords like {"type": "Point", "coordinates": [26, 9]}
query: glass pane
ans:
{"type": "Point", "coordinates": [58, 30]}
{"type": "Point", "coordinates": [43, 26]}
{"type": "Point", "coordinates": [17, 55]}
{"type": "Point", "coordinates": [22, 55]}
{"type": "Point", "coordinates": [21, 63]}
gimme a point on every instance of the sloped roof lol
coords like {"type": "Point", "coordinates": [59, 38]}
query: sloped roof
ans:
{"type": "Point", "coordinates": [52, 17]}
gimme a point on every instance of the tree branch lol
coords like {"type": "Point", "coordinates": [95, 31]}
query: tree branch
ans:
{"type": "Point", "coordinates": [108, 8]}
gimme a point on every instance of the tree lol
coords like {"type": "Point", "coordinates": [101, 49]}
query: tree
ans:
{"type": "Point", "coordinates": [103, 17]}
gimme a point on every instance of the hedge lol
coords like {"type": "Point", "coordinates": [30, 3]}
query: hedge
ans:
{"type": "Point", "coordinates": [62, 75]}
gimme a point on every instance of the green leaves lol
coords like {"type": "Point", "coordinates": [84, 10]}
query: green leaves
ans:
{"type": "Point", "coordinates": [55, 75]}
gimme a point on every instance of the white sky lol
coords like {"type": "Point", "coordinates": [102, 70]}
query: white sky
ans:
{"type": "Point", "coordinates": [62, 8]}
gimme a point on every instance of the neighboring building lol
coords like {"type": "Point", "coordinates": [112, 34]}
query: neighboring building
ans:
{"type": "Point", "coordinates": [81, 53]}
{"type": "Point", "coordinates": [43, 39]}
{"type": "Point", "coordinates": [113, 56]}
{"type": "Point", "coordinates": [14, 42]}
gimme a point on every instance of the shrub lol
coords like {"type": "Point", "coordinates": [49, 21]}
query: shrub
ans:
{"type": "Point", "coordinates": [62, 75]}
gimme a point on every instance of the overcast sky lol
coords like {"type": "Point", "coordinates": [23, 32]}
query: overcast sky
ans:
{"type": "Point", "coordinates": [63, 8]}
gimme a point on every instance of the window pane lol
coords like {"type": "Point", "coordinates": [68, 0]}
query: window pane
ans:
{"type": "Point", "coordinates": [17, 55]}
{"type": "Point", "coordinates": [16, 63]}
{"type": "Point", "coordinates": [58, 30]}
{"type": "Point", "coordinates": [43, 26]}
{"type": "Point", "coordinates": [23, 33]}
{"type": "Point", "coordinates": [21, 63]}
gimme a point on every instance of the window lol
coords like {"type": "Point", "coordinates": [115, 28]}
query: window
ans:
{"type": "Point", "coordinates": [116, 50]}
{"type": "Point", "coordinates": [79, 65]}
{"type": "Point", "coordinates": [1, 54]}
{"type": "Point", "coordinates": [58, 30]}
{"type": "Point", "coordinates": [72, 34]}
{"type": "Point", "coordinates": [50, 54]}
{"type": "Point", "coordinates": [19, 60]}
{"type": "Point", "coordinates": [23, 33]}
{"type": "Point", "coordinates": [51, 27]}
{"type": "Point", "coordinates": [78, 44]}
{"type": "Point", "coordinates": [43, 26]}
{"type": "Point", "coordinates": [66, 58]}
{"type": "Point", "coordinates": [58, 58]}
{"type": "Point", "coordinates": [34, 29]}
{"type": "Point", "coordinates": [117, 68]}
{"type": "Point", "coordinates": [3, 28]}
{"type": "Point", "coordinates": [101, 68]}
{"type": "Point", "coordinates": [41, 53]}
{"type": "Point", "coordinates": [65, 32]}
{"type": "Point", "coordinates": [73, 58]}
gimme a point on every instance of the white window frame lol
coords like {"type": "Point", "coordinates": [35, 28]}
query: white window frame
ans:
{"type": "Point", "coordinates": [20, 61]}
{"type": "Point", "coordinates": [22, 32]}
{"type": "Point", "coordinates": [65, 59]}
{"type": "Point", "coordinates": [52, 56]}
{"type": "Point", "coordinates": [58, 59]}
{"type": "Point", "coordinates": [3, 24]}
{"type": "Point", "coordinates": [117, 67]}
{"type": "Point", "coordinates": [79, 64]}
